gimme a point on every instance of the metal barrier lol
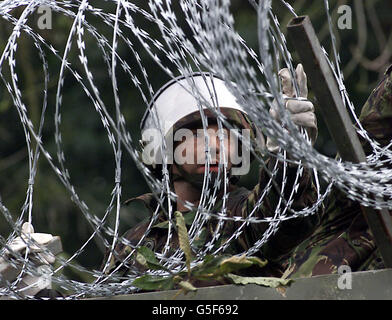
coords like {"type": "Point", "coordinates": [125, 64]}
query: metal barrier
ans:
{"type": "Point", "coordinates": [366, 285]}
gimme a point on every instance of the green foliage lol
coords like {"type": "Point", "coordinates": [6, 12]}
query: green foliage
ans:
{"type": "Point", "coordinates": [261, 281]}
{"type": "Point", "coordinates": [184, 239]}
{"type": "Point", "coordinates": [213, 268]}
{"type": "Point", "coordinates": [147, 258]}
{"type": "Point", "coordinates": [148, 282]}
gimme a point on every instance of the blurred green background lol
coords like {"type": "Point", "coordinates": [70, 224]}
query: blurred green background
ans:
{"type": "Point", "coordinates": [365, 52]}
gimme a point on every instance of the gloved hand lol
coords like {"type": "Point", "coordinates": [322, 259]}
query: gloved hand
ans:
{"type": "Point", "coordinates": [37, 243]}
{"type": "Point", "coordinates": [39, 240]}
{"type": "Point", "coordinates": [301, 111]}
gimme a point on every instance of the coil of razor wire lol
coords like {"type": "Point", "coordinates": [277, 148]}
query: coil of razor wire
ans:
{"type": "Point", "coordinates": [207, 41]}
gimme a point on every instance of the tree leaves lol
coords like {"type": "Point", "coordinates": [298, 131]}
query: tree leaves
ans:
{"type": "Point", "coordinates": [149, 282]}
{"type": "Point", "coordinates": [262, 281]}
{"type": "Point", "coordinates": [146, 258]}
{"type": "Point", "coordinates": [218, 266]}
{"type": "Point", "coordinates": [184, 239]}
{"type": "Point", "coordinates": [187, 286]}
{"type": "Point", "coordinates": [213, 268]}
{"type": "Point", "coordinates": [235, 263]}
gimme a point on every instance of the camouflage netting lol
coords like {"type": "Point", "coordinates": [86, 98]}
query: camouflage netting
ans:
{"type": "Point", "coordinates": [193, 36]}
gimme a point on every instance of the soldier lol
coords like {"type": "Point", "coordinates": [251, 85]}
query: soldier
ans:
{"type": "Point", "coordinates": [344, 238]}
{"type": "Point", "coordinates": [177, 109]}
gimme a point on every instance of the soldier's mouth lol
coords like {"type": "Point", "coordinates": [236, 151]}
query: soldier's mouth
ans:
{"type": "Point", "coordinates": [212, 168]}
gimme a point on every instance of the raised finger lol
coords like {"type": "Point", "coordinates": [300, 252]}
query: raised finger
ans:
{"type": "Point", "coordinates": [302, 81]}
{"type": "Point", "coordinates": [287, 84]}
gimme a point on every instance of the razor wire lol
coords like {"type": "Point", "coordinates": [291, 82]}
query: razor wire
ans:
{"type": "Point", "coordinates": [209, 43]}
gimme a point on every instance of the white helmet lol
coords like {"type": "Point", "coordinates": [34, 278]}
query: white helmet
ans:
{"type": "Point", "coordinates": [178, 103]}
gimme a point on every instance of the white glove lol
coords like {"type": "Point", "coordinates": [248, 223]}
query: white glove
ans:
{"type": "Point", "coordinates": [301, 111]}
{"type": "Point", "coordinates": [37, 243]}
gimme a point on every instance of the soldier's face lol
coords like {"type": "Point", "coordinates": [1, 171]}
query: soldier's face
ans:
{"type": "Point", "coordinates": [190, 150]}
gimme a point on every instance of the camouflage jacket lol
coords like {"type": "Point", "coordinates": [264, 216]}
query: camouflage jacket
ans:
{"type": "Point", "coordinates": [344, 238]}
{"type": "Point", "coordinates": [240, 202]}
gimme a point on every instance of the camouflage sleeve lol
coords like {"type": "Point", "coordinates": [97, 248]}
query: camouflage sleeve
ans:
{"type": "Point", "coordinates": [123, 256]}
{"type": "Point", "coordinates": [121, 259]}
{"type": "Point", "coordinates": [344, 237]}
{"type": "Point", "coordinates": [291, 232]}
{"type": "Point", "coordinates": [376, 118]}
{"type": "Point", "coordinates": [376, 114]}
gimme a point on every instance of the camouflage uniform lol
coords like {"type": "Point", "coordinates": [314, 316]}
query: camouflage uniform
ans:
{"type": "Point", "coordinates": [344, 238]}
{"type": "Point", "coordinates": [240, 202]}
